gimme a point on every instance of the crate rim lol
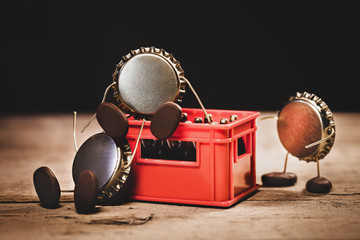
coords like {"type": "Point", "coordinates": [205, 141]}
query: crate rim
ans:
{"type": "Point", "coordinates": [250, 115]}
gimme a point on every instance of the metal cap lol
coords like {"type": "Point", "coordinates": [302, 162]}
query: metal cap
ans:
{"type": "Point", "coordinates": [145, 79]}
{"type": "Point", "coordinates": [306, 127]}
{"type": "Point", "coordinates": [106, 159]}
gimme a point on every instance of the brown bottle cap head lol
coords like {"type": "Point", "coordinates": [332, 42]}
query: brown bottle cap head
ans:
{"type": "Point", "coordinates": [165, 120]}
{"type": "Point", "coordinates": [305, 120]}
{"type": "Point", "coordinates": [112, 120]}
{"type": "Point", "coordinates": [86, 192]}
{"type": "Point", "coordinates": [47, 187]}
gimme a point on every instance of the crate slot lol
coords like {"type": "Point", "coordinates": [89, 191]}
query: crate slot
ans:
{"type": "Point", "coordinates": [241, 146]}
{"type": "Point", "coordinates": [244, 147]}
{"type": "Point", "coordinates": [168, 150]}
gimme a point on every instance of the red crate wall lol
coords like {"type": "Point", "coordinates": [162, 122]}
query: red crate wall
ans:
{"type": "Point", "coordinates": [218, 177]}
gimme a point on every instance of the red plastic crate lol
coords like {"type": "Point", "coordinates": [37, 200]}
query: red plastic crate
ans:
{"type": "Point", "coordinates": [220, 176]}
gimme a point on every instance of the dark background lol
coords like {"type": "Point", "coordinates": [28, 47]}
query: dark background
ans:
{"type": "Point", "coordinates": [59, 57]}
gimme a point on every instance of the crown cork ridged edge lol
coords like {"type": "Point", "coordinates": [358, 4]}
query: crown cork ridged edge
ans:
{"type": "Point", "coordinates": [328, 124]}
{"type": "Point", "coordinates": [159, 52]}
{"type": "Point", "coordinates": [117, 182]}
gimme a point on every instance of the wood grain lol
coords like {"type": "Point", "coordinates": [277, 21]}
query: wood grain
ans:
{"type": "Point", "coordinates": [30, 141]}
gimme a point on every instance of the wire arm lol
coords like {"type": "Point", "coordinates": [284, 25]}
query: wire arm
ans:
{"type": "Point", "coordinates": [321, 140]}
{"type": "Point", "coordinates": [198, 99]}
{"type": "Point", "coordinates": [102, 101]}
{"type": "Point", "coordinates": [267, 117]}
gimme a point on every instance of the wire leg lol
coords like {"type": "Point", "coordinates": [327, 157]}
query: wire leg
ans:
{"type": "Point", "coordinates": [136, 145]}
{"type": "Point", "coordinates": [286, 159]}
{"type": "Point", "coordinates": [74, 132]}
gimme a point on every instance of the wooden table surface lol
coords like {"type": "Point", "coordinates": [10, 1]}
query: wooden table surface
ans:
{"type": "Point", "coordinates": [30, 141]}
